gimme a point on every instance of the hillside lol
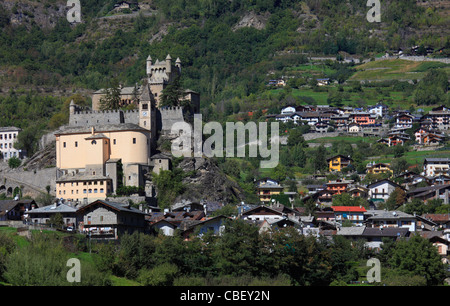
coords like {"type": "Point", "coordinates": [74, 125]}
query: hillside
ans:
{"type": "Point", "coordinates": [229, 52]}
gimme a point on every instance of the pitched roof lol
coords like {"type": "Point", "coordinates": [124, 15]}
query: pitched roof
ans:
{"type": "Point", "coordinates": [348, 209]}
{"type": "Point", "coordinates": [53, 208]}
{"type": "Point", "coordinates": [7, 205]}
{"type": "Point", "coordinates": [113, 205]}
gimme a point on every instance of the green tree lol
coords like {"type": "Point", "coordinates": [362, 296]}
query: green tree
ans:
{"type": "Point", "coordinates": [111, 99]}
{"type": "Point", "coordinates": [14, 162]}
{"type": "Point", "coordinates": [173, 94]}
{"type": "Point", "coordinates": [418, 257]}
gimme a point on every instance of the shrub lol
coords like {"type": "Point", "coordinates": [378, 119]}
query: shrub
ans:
{"type": "Point", "coordinates": [162, 275]}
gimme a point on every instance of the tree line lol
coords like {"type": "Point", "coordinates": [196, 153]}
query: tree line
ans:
{"type": "Point", "coordinates": [240, 255]}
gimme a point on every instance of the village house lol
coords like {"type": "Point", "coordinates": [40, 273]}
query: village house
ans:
{"type": "Point", "coordinates": [425, 194]}
{"type": "Point", "coordinates": [378, 168]}
{"type": "Point", "coordinates": [109, 220]}
{"type": "Point", "coordinates": [373, 237]}
{"type": "Point", "coordinates": [381, 190]}
{"type": "Point", "coordinates": [42, 215]}
{"type": "Point", "coordinates": [442, 221]}
{"type": "Point", "coordinates": [404, 120]}
{"type": "Point", "coordinates": [266, 188]}
{"type": "Point", "coordinates": [8, 137]}
{"type": "Point", "coordinates": [338, 186]}
{"type": "Point", "coordinates": [16, 210]}
{"type": "Point", "coordinates": [363, 119]}
{"type": "Point", "coordinates": [386, 219]}
{"type": "Point", "coordinates": [435, 166]}
{"type": "Point", "coordinates": [354, 128]}
{"type": "Point", "coordinates": [438, 119]}
{"type": "Point", "coordinates": [338, 162]}
{"type": "Point", "coordinates": [353, 214]}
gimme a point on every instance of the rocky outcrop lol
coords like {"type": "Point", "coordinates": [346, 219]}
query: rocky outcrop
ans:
{"type": "Point", "coordinates": [252, 20]}
{"type": "Point", "coordinates": [207, 182]}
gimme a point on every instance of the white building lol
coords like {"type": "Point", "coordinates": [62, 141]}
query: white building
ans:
{"type": "Point", "coordinates": [381, 190]}
{"type": "Point", "coordinates": [436, 166]}
{"type": "Point", "coordinates": [8, 136]}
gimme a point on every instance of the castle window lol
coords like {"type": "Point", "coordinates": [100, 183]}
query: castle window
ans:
{"type": "Point", "coordinates": [114, 141]}
{"type": "Point", "coordinates": [134, 140]}
{"type": "Point", "coordinates": [145, 106]}
{"type": "Point", "coordinates": [64, 144]}
{"type": "Point", "coordinates": [93, 142]}
{"type": "Point", "coordinates": [76, 144]}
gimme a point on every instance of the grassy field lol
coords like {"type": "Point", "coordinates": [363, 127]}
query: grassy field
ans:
{"type": "Point", "coordinates": [368, 96]}
{"type": "Point", "coordinates": [416, 157]}
{"type": "Point", "coordinates": [395, 69]}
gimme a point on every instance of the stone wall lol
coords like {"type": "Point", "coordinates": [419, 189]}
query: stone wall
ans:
{"type": "Point", "coordinates": [94, 118]}
{"type": "Point", "coordinates": [169, 116]}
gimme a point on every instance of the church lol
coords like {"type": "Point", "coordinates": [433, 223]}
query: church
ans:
{"type": "Point", "coordinates": [100, 151]}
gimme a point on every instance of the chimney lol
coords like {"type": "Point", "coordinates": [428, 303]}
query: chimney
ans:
{"type": "Point", "coordinates": [92, 131]}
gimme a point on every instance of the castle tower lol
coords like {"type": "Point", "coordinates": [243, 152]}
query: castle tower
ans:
{"type": "Point", "coordinates": [145, 108]}
{"type": "Point", "coordinates": [72, 107]}
{"type": "Point", "coordinates": [178, 65]}
{"type": "Point", "coordinates": [169, 65]}
{"type": "Point", "coordinates": [149, 65]}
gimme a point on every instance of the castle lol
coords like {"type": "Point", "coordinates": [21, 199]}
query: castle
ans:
{"type": "Point", "coordinates": [159, 75]}
{"type": "Point", "coordinates": [101, 150]}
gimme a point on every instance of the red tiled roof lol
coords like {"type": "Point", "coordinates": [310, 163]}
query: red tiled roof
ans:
{"type": "Point", "coordinates": [348, 209]}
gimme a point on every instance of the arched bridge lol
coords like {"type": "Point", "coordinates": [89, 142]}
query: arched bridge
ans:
{"type": "Point", "coordinates": [11, 187]}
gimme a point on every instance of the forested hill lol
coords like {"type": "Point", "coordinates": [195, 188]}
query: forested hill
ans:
{"type": "Point", "coordinates": [227, 47]}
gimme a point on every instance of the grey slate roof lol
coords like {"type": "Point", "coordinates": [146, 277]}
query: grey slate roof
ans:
{"type": "Point", "coordinates": [59, 208]}
{"type": "Point", "coordinates": [100, 128]}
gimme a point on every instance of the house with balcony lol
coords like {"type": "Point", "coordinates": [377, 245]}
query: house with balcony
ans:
{"type": "Point", "coordinates": [436, 166]}
{"type": "Point", "coordinates": [338, 162]}
{"type": "Point", "coordinates": [363, 118]}
{"type": "Point", "coordinates": [389, 219]}
{"type": "Point", "coordinates": [404, 120]}
{"type": "Point", "coordinates": [266, 188]}
{"type": "Point", "coordinates": [354, 214]}
{"type": "Point", "coordinates": [338, 186]}
{"type": "Point", "coordinates": [379, 168]}
{"type": "Point", "coordinates": [382, 189]}
{"type": "Point", "coordinates": [108, 220]}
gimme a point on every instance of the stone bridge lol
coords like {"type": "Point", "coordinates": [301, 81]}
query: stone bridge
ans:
{"type": "Point", "coordinates": [11, 186]}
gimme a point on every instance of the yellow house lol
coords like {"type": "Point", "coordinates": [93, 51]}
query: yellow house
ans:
{"type": "Point", "coordinates": [379, 168]}
{"type": "Point", "coordinates": [338, 162]}
{"type": "Point", "coordinates": [266, 188]}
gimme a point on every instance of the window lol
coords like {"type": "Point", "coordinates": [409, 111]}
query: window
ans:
{"type": "Point", "coordinates": [134, 140]}
{"type": "Point", "coordinates": [114, 141]}
{"type": "Point", "coordinates": [145, 106]}
{"type": "Point", "coordinates": [101, 218]}
{"type": "Point", "coordinates": [101, 190]}
{"type": "Point", "coordinates": [76, 144]}
{"type": "Point", "coordinates": [84, 190]}
{"type": "Point", "coordinates": [64, 144]}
